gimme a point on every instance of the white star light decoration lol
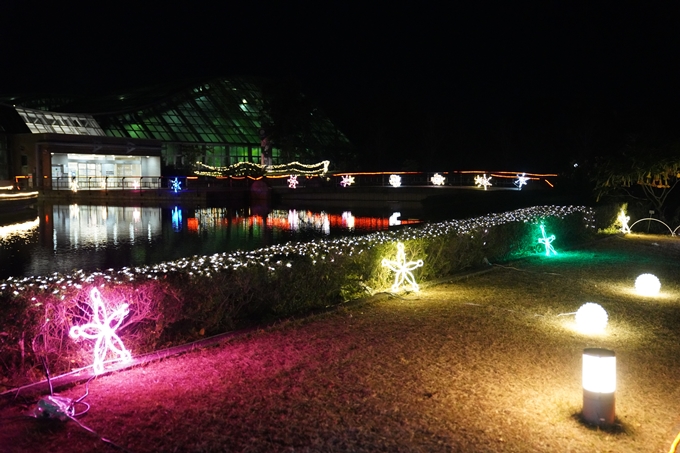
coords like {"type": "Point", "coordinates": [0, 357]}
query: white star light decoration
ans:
{"type": "Point", "coordinates": [547, 241]}
{"type": "Point", "coordinates": [403, 269]}
{"type": "Point", "coordinates": [395, 180]}
{"type": "Point", "coordinates": [623, 219]}
{"type": "Point", "coordinates": [293, 182]}
{"type": "Point", "coordinates": [483, 181]}
{"type": "Point", "coordinates": [437, 179]}
{"type": "Point", "coordinates": [521, 180]}
{"type": "Point", "coordinates": [347, 181]}
{"type": "Point", "coordinates": [176, 185]}
{"type": "Point", "coordinates": [102, 329]}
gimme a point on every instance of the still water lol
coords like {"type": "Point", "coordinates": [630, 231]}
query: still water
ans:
{"type": "Point", "coordinates": [61, 238]}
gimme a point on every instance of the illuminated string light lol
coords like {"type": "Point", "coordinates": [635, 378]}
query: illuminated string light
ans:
{"type": "Point", "coordinates": [395, 180]}
{"type": "Point", "coordinates": [102, 329]}
{"type": "Point", "coordinates": [437, 179]}
{"type": "Point", "coordinates": [176, 185]}
{"type": "Point", "coordinates": [347, 181]}
{"type": "Point", "coordinates": [293, 182]}
{"type": "Point", "coordinates": [483, 181]}
{"type": "Point", "coordinates": [403, 269]}
{"type": "Point", "coordinates": [547, 241]}
{"type": "Point", "coordinates": [252, 169]}
{"type": "Point", "coordinates": [521, 180]}
{"type": "Point", "coordinates": [324, 249]}
{"type": "Point", "coordinates": [623, 220]}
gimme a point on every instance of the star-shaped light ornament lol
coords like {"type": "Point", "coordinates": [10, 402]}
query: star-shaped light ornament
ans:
{"type": "Point", "coordinates": [547, 241]}
{"type": "Point", "coordinates": [521, 180]}
{"type": "Point", "coordinates": [395, 180]}
{"type": "Point", "coordinates": [347, 181]}
{"type": "Point", "coordinates": [293, 182]}
{"type": "Point", "coordinates": [102, 329]}
{"type": "Point", "coordinates": [623, 219]}
{"type": "Point", "coordinates": [437, 179]}
{"type": "Point", "coordinates": [176, 185]}
{"type": "Point", "coordinates": [403, 269]}
{"type": "Point", "coordinates": [483, 181]}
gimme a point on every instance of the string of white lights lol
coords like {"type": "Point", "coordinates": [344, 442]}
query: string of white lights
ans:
{"type": "Point", "coordinates": [318, 250]}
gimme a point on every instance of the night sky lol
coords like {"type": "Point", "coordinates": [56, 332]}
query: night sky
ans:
{"type": "Point", "coordinates": [493, 85]}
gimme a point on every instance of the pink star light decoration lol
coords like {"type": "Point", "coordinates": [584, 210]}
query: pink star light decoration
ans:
{"type": "Point", "coordinates": [102, 329]}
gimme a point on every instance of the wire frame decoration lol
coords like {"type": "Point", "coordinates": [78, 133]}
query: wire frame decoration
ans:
{"type": "Point", "coordinates": [102, 329]}
{"type": "Point", "coordinates": [403, 269]}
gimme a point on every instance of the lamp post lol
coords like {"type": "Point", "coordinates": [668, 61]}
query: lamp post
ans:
{"type": "Point", "coordinates": [599, 386]}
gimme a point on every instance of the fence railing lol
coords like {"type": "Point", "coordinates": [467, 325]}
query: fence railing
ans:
{"type": "Point", "coordinates": [107, 183]}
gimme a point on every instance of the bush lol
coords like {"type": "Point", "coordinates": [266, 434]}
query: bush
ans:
{"type": "Point", "coordinates": [174, 303]}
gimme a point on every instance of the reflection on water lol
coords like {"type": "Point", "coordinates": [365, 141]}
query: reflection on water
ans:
{"type": "Point", "coordinates": [68, 237]}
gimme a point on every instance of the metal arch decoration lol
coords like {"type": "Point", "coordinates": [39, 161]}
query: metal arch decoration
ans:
{"type": "Point", "coordinates": [293, 182]}
{"type": "Point", "coordinates": [438, 180]}
{"type": "Point", "coordinates": [483, 181]}
{"type": "Point", "coordinates": [347, 180]}
{"type": "Point", "coordinates": [403, 269]}
{"type": "Point", "coordinates": [656, 220]}
{"type": "Point", "coordinates": [547, 241]}
{"type": "Point", "coordinates": [102, 329]}
{"type": "Point", "coordinates": [521, 180]}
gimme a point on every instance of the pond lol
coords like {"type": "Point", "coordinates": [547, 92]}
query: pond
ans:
{"type": "Point", "coordinates": [65, 237]}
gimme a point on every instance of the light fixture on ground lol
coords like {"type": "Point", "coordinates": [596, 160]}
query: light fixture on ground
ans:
{"type": "Point", "coordinates": [647, 285]}
{"type": "Point", "coordinates": [599, 386]}
{"type": "Point", "coordinates": [591, 318]}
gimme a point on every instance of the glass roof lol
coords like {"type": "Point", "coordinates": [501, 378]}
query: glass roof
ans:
{"type": "Point", "coordinates": [40, 121]}
{"type": "Point", "coordinates": [218, 111]}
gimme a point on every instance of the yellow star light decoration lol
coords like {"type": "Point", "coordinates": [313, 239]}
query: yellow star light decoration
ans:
{"type": "Point", "coordinates": [102, 329]}
{"type": "Point", "coordinates": [403, 269]}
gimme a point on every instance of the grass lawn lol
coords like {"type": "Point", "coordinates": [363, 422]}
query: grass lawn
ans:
{"type": "Point", "coordinates": [478, 364]}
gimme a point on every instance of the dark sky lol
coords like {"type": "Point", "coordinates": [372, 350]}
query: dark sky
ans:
{"type": "Point", "coordinates": [512, 80]}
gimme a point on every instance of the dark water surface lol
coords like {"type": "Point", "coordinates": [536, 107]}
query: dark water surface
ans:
{"type": "Point", "coordinates": [61, 238]}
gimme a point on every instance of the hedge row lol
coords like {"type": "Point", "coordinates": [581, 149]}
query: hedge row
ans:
{"type": "Point", "coordinates": [176, 302]}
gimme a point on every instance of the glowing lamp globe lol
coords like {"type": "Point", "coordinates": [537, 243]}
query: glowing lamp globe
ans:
{"type": "Point", "coordinates": [599, 386]}
{"type": "Point", "coordinates": [591, 318]}
{"type": "Point", "coordinates": [647, 285]}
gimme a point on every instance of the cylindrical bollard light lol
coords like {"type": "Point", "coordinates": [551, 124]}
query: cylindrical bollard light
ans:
{"type": "Point", "coordinates": [599, 386]}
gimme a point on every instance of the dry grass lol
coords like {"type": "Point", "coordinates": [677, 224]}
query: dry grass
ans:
{"type": "Point", "coordinates": [479, 364]}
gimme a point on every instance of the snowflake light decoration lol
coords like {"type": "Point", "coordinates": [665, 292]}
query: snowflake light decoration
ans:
{"type": "Point", "coordinates": [483, 181]}
{"type": "Point", "coordinates": [395, 180]}
{"type": "Point", "coordinates": [521, 180]}
{"type": "Point", "coordinates": [547, 241]}
{"type": "Point", "coordinates": [293, 182]}
{"type": "Point", "coordinates": [102, 329]}
{"type": "Point", "coordinates": [623, 219]}
{"type": "Point", "coordinates": [347, 181]}
{"type": "Point", "coordinates": [437, 179]}
{"type": "Point", "coordinates": [403, 269]}
{"type": "Point", "coordinates": [176, 185]}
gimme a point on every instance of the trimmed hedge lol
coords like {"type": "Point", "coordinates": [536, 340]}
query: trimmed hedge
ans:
{"type": "Point", "coordinates": [177, 302]}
